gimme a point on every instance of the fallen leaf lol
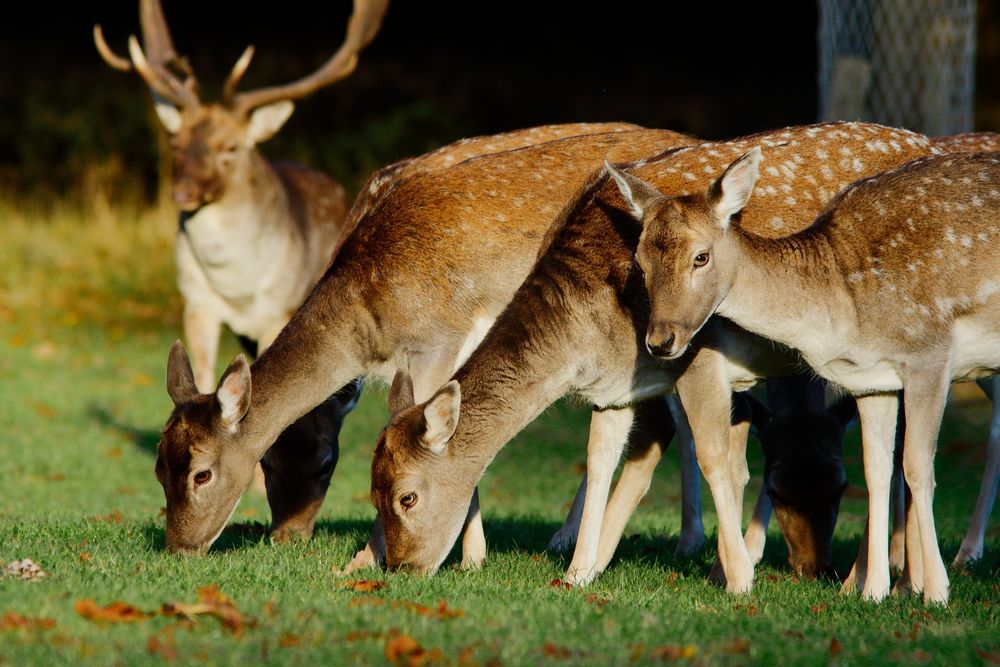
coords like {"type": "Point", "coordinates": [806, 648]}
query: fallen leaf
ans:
{"type": "Point", "coordinates": [555, 651]}
{"type": "Point", "coordinates": [441, 612]}
{"type": "Point", "coordinates": [365, 585]}
{"type": "Point", "coordinates": [921, 656]}
{"type": "Point", "coordinates": [750, 609]}
{"type": "Point", "coordinates": [402, 649]}
{"type": "Point", "coordinates": [835, 647]}
{"type": "Point", "coordinates": [672, 652]}
{"type": "Point", "coordinates": [113, 453]}
{"type": "Point", "coordinates": [11, 620]}
{"type": "Point", "coordinates": [818, 608]}
{"type": "Point", "coordinates": [164, 648]}
{"type": "Point", "coordinates": [358, 635]}
{"type": "Point", "coordinates": [735, 646]}
{"type": "Point", "coordinates": [116, 612]}
{"type": "Point", "coordinates": [289, 639]}
{"type": "Point", "coordinates": [44, 409]}
{"type": "Point", "coordinates": [114, 517]}
{"type": "Point", "coordinates": [559, 583]}
{"type": "Point", "coordinates": [992, 657]}
{"type": "Point", "coordinates": [592, 598]}
{"type": "Point", "coordinates": [636, 653]}
{"type": "Point", "coordinates": [211, 603]}
{"type": "Point", "coordinates": [269, 607]}
{"type": "Point", "coordinates": [26, 569]}
{"type": "Point", "coordinates": [84, 556]}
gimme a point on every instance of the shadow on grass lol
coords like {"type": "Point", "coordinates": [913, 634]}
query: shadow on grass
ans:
{"type": "Point", "coordinates": [144, 439]}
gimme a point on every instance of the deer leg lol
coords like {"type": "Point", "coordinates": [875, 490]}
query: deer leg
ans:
{"type": "Point", "coordinates": [692, 537]}
{"type": "Point", "coordinates": [877, 413]}
{"type": "Point", "coordinates": [756, 533]}
{"type": "Point", "coordinates": [706, 398]}
{"type": "Point", "coordinates": [972, 544]}
{"type": "Point", "coordinates": [201, 329]}
{"type": "Point", "coordinates": [646, 444]}
{"type": "Point", "coordinates": [926, 390]}
{"type": "Point", "coordinates": [609, 431]}
{"type": "Point", "coordinates": [564, 538]}
{"type": "Point", "coordinates": [898, 498]}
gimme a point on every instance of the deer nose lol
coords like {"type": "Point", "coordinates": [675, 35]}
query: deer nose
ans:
{"type": "Point", "coordinates": [660, 341]}
{"type": "Point", "coordinates": [185, 194]}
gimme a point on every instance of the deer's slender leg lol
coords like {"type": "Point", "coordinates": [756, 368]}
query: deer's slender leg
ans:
{"type": "Point", "coordinates": [877, 413]}
{"type": "Point", "coordinates": [609, 431]}
{"type": "Point", "coordinates": [692, 537]}
{"type": "Point", "coordinates": [756, 533]}
{"type": "Point", "coordinates": [926, 391]}
{"type": "Point", "coordinates": [564, 538]}
{"type": "Point", "coordinates": [652, 434]}
{"type": "Point", "coordinates": [201, 329]}
{"type": "Point", "coordinates": [972, 544]}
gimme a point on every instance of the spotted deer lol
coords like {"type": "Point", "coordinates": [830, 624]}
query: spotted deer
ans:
{"type": "Point", "coordinates": [576, 325]}
{"type": "Point", "coordinates": [430, 263]}
{"type": "Point", "coordinates": [894, 287]}
{"type": "Point", "coordinates": [254, 235]}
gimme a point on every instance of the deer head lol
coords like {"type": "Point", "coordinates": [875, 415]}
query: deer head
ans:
{"type": "Point", "coordinates": [213, 144]}
{"type": "Point", "coordinates": [681, 237]}
{"type": "Point", "coordinates": [414, 484]}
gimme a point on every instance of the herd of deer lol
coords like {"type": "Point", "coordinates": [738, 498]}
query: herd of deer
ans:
{"type": "Point", "coordinates": [645, 271]}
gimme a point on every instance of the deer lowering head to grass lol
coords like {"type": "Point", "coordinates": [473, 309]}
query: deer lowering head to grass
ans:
{"type": "Point", "coordinates": [430, 264]}
{"type": "Point", "coordinates": [577, 324]}
{"type": "Point", "coordinates": [254, 235]}
{"type": "Point", "coordinates": [894, 287]}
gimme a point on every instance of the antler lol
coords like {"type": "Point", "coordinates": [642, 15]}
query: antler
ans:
{"type": "Point", "coordinates": [155, 70]}
{"type": "Point", "coordinates": [362, 27]}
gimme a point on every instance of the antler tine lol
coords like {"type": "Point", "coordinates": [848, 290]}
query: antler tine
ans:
{"type": "Point", "coordinates": [239, 69]}
{"type": "Point", "coordinates": [162, 55]}
{"type": "Point", "coordinates": [362, 27]}
{"type": "Point", "coordinates": [109, 56]}
{"type": "Point", "coordinates": [165, 86]}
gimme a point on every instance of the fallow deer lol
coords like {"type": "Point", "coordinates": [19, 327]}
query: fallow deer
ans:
{"type": "Point", "coordinates": [430, 264]}
{"type": "Point", "coordinates": [894, 287]}
{"type": "Point", "coordinates": [254, 236]}
{"type": "Point", "coordinates": [576, 325]}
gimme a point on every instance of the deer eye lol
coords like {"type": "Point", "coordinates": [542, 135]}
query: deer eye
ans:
{"type": "Point", "coordinates": [701, 259]}
{"type": "Point", "coordinates": [408, 500]}
{"type": "Point", "coordinates": [202, 477]}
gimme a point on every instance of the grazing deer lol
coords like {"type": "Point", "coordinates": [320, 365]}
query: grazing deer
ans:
{"type": "Point", "coordinates": [894, 287]}
{"type": "Point", "coordinates": [254, 236]}
{"type": "Point", "coordinates": [430, 264]}
{"type": "Point", "coordinates": [575, 325]}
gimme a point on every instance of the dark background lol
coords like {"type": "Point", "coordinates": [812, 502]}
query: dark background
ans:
{"type": "Point", "coordinates": [71, 126]}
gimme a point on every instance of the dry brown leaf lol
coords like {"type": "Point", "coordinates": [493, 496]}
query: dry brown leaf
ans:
{"type": "Point", "coordinates": [818, 608]}
{"type": "Point", "coordinates": [116, 612]}
{"type": "Point", "coordinates": [593, 598]}
{"type": "Point", "coordinates": [11, 620]}
{"type": "Point", "coordinates": [556, 652]}
{"type": "Point", "coordinates": [441, 612]}
{"type": "Point", "coordinates": [737, 645]}
{"type": "Point", "coordinates": [559, 583]}
{"type": "Point", "coordinates": [365, 585]}
{"type": "Point", "coordinates": [165, 647]}
{"type": "Point", "coordinates": [289, 639]}
{"type": "Point", "coordinates": [358, 635]}
{"type": "Point", "coordinates": [114, 517]}
{"type": "Point", "coordinates": [211, 602]}
{"type": "Point", "coordinates": [992, 657]}
{"type": "Point", "coordinates": [671, 652]}
{"type": "Point", "coordinates": [402, 649]}
{"type": "Point", "coordinates": [835, 647]}
{"type": "Point", "coordinates": [84, 556]}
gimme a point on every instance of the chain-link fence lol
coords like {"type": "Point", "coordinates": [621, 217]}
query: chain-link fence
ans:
{"type": "Point", "coordinates": [907, 63]}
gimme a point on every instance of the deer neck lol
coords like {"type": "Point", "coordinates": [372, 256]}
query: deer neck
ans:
{"type": "Point", "coordinates": [811, 305]}
{"type": "Point", "coordinates": [317, 353]}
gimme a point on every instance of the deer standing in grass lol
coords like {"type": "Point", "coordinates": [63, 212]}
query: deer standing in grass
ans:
{"type": "Point", "coordinates": [577, 323]}
{"type": "Point", "coordinates": [254, 235]}
{"type": "Point", "coordinates": [429, 265]}
{"type": "Point", "coordinates": [894, 287]}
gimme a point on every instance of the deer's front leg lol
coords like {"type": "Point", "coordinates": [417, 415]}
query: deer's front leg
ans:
{"type": "Point", "coordinates": [924, 396]}
{"type": "Point", "coordinates": [878, 429]}
{"type": "Point", "coordinates": [564, 538]}
{"type": "Point", "coordinates": [692, 537]}
{"type": "Point", "coordinates": [972, 544]}
{"type": "Point", "coordinates": [201, 329]}
{"type": "Point", "coordinates": [653, 433]}
{"type": "Point", "coordinates": [609, 430]}
{"type": "Point", "coordinates": [707, 402]}
{"type": "Point", "coordinates": [473, 536]}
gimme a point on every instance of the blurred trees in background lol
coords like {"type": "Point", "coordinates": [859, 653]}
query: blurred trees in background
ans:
{"type": "Point", "coordinates": [70, 127]}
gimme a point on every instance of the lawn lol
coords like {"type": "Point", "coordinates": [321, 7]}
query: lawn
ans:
{"type": "Point", "coordinates": [87, 312]}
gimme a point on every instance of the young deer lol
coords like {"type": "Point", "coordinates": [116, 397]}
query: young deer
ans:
{"type": "Point", "coordinates": [894, 287]}
{"type": "Point", "coordinates": [575, 325]}
{"type": "Point", "coordinates": [298, 467]}
{"type": "Point", "coordinates": [430, 264]}
{"type": "Point", "coordinates": [254, 236]}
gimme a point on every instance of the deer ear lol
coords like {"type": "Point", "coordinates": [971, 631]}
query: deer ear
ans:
{"type": "Point", "coordinates": [233, 392]}
{"type": "Point", "coordinates": [265, 121]}
{"type": "Point", "coordinates": [180, 377]}
{"type": "Point", "coordinates": [639, 194]}
{"type": "Point", "coordinates": [441, 417]}
{"type": "Point", "coordinates": [169, 115]}
{"type": "Point", "coordinates": [731, 192]}
{"type": "Point", "coordinates": [401, 392]}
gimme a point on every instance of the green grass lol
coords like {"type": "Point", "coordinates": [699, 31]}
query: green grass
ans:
{"type": "Point", "coordinates": [87, 312]}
